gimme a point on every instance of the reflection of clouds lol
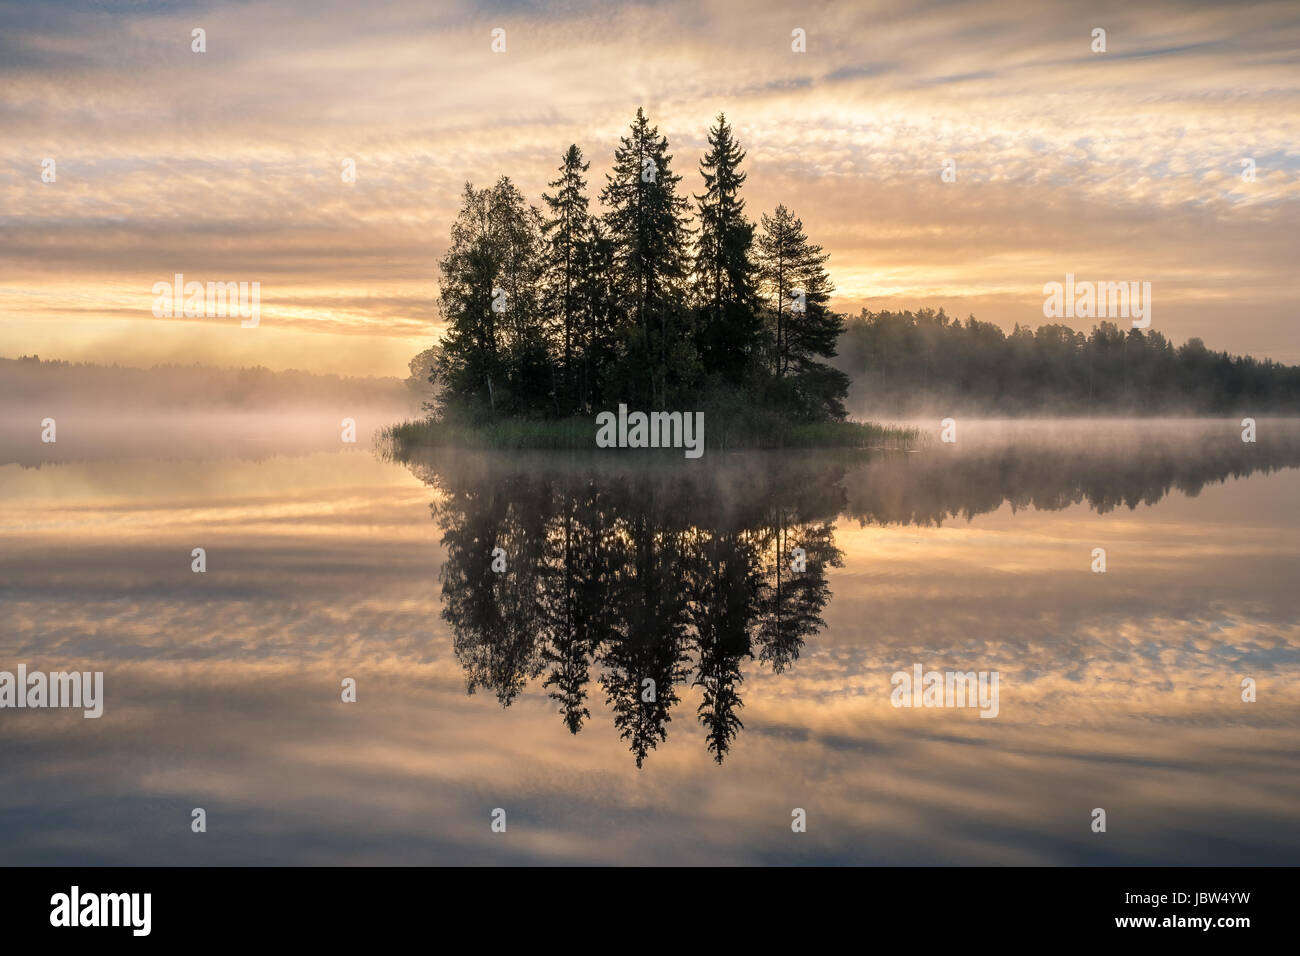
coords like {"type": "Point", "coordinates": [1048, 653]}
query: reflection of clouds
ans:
{"type": "Point", "coordinates": [1193, 600]}
{"type": "Point", "coordinates": [1119, 165]}
{"type": "Point", "coordinates": [411, 772]}
{"type": "Point", "coordinates": [1118, 691]}
{"type": "Point", "coordinates": [348, 537]}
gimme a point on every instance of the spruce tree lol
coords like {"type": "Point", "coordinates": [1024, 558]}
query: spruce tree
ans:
{"type": "Point", "coordinates": [565, 231]}
{"type": "Point", "coordinates": [730, 325]}
{"type": "Point", "coordinates": [598, 335]}
{"type": "Point", "coordinates": [647, 222]}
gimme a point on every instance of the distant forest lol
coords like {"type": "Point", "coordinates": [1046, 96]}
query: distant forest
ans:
{"type": "Point", "coordinates": [908, 363]}
{"type": "Point", "coordinates": [559, 312]}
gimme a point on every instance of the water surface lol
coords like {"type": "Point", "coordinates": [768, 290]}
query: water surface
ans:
{"type": "Point", "coordinates": [1119, 690]}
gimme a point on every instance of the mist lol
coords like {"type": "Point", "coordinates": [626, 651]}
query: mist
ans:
{"type": "Point", "coordinates": [926, 364]}
{"type": "Point", "coordinates": [105, 412]}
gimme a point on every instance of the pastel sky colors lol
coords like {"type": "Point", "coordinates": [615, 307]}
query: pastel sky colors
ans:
{"type": "Point", "coordinates": [1122, 166]}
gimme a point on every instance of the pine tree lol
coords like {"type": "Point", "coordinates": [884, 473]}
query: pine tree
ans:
{"type": "Point", "coordinates": [565, 232]}
{"type": "Point", "coordinates": [647, 222]}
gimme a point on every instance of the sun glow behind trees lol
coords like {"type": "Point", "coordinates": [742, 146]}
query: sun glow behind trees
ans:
{"type": "Point", "coordinates": [566, 313]}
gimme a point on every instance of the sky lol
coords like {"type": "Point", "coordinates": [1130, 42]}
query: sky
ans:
{"type": "Point", "coordinates": [226, 165]}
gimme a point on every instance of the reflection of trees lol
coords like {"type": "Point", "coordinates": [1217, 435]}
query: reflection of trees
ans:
{"type": "Point", "coordinates": [1131, 468]}
{"type": "Point", "coordinates": [622, 572]}
{"type": "Point", "coordinates": [673, 576]}
{"type": "Point", "coordinates": [499, 637]}
{"type": "Point", "coordinates": [790, 604]}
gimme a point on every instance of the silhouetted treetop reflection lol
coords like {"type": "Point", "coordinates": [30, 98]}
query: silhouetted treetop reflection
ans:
{"type": "Point", "coordinates": [646, 581]}
{"type": "Point", "coordinates": [657, 581]}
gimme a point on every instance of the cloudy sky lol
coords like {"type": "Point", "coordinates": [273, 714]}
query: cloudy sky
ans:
{"type": "Point", "coordinates": [225, 165]}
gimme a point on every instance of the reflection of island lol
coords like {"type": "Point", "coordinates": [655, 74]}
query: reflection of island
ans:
{"type": "Point", "coordinates": [625, 569]}
{"type": "Point", "coordinates": [676, 578]}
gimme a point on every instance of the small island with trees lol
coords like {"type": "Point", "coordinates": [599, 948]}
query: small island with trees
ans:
{"type": "Point", "coordinates": [670, 300]}
{"type": "Point", "coordinates": [556, 314]}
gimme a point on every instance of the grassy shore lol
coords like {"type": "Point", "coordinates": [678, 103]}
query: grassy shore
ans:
{"type": "Point", "coordinates": [580, 433]}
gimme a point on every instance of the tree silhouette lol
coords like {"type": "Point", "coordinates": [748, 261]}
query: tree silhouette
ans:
{"type": "Point", "coordinates": [904, 363]}
{"type": "Point", "coordinates": [558, 316]}
{"type": "Point", "coordinates": [726, 275]}
{"type": "Point", "coordinates": [566, 231]}
{"type": "Point", "coordinates": [647, 223]}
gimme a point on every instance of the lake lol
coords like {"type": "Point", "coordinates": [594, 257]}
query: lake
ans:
{"type": "Point", "coordinates": [641, 658]}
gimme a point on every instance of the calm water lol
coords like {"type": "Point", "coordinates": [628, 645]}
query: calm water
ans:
{"type": "Point", "coordinates": [1119, 690]}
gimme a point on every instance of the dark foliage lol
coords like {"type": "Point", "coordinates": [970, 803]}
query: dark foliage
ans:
{"type": "Point", "coordinates": [904, 362]}
{"type": "Point", "coordinates": [566, 312]}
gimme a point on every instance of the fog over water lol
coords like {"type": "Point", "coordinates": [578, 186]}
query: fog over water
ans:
{"type": "Point", "coordinates": [326, 560]}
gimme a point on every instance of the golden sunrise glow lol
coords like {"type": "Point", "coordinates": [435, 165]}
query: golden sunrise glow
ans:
{"type": "Point", "coordinates": [226, 165]}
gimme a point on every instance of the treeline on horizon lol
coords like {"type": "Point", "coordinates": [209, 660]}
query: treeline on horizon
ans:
{"type": "Point", "coordinates": [30, 378]}
{"type": "Point", "coordinates": [561, 311]}
{"type": "Point", "coordinates": [905, 363]}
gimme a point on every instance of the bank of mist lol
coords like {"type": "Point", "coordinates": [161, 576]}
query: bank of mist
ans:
{"type": "Point", "coordinates": [906, 365]}
{"type": "Point", "coordinates": [178, 411]}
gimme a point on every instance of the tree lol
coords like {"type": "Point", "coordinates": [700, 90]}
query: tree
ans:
{"type": "Point", "coordinates": [599, 332]}
{"type": "Point", "coordinates": [793, 272]}
{"type": "Point", "coordinates": [730, 326]}
{"type": "Point", "coordinates": [647, 224]}
{"type": "Point", "coordinates": [494, 353]}
{"type": "Point", "coordinates": [422, 383]}
{"type": "Point", "coordinates": [565, 231]}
